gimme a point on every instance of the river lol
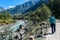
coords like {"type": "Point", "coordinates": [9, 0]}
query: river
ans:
{"type": "Point", "coordinates": [13, 27]}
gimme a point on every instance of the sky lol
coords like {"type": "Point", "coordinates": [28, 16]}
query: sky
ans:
{"type": "Point", "coordinates": [11, 3]}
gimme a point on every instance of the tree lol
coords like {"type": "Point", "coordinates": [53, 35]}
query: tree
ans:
{"type": "Point", "coordinates": [45, 12]}
{"type": "Point", "coordinates": [55, 7]}
{"type": "Point", "coordinates": [42, 13]}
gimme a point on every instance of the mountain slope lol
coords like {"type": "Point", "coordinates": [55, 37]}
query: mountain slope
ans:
{"type": "Point", "coordinates": [28, 6]}
{"type": "Point", "coordinates": [1, 8]}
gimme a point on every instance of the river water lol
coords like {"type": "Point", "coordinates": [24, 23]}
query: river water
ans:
{"type": "Point", "coordinates": [15, 26]}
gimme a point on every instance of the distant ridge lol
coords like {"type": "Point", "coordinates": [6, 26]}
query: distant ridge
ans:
{"type": "Point", "coordinates": [1, 8]}
{"type": "Point", "coordinates": [26, 7]}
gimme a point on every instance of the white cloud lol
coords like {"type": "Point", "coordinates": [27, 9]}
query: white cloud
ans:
{"type": "Point", "coordinates": [11, 6]}
{"type": "Point", "coordinates": [5, 8]}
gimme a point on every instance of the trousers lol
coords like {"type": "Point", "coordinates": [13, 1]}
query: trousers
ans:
{"type": "Point", "coordinates": [53, 27]}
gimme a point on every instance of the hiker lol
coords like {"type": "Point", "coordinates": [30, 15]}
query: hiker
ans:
{"type": "Point", "coordinates": [53, 23]}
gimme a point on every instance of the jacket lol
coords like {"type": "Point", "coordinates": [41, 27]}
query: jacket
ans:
{"type": "Point", "coordinates": [52, 20]}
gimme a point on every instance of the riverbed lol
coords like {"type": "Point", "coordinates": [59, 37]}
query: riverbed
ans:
{"type": "Point", "coordinates": [13, 26]}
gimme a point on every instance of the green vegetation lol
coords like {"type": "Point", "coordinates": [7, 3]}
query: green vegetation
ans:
{"type": "Point", "coordinates": [44, 10]}
{"type": "Point", "coordinates": [37, 16]}
{"type": "Point", "coordinates": [55, 7]}
{"type": "Point", "coordinates": [6, 18]}
{"type": "Point", "coordinates": [42, 13]}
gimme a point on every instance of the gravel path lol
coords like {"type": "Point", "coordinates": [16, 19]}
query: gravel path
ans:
{"type": "Point", "coordinates": [56, 35]}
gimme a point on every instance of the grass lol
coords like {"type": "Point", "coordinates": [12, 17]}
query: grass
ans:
{"type": "Point", "coordinates": [7, 21]}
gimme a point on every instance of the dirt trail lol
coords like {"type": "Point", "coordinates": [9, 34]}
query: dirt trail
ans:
{"type": "Point", "coordinates": [56, 35]}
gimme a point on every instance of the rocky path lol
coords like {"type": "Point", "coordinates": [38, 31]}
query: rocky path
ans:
{"type": "Point", "coordinates": [56, 35]}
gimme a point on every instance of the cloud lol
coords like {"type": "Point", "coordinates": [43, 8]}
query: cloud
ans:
{"type": "Point", "coordinates": [5, 8]}
{"type": "Point", "coordinates": [11, 6]}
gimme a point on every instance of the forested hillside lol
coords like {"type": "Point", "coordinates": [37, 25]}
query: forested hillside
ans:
{"type": "Point", "coordinates": [54, 5]}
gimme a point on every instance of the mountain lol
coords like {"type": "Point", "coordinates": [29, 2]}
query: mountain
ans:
{"type": "Point", "coordinates": [21, 8]}
{"type": "Point", "coordinates": [28, 6]}
{"type": "Point", "coordinates": [1, 8]}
